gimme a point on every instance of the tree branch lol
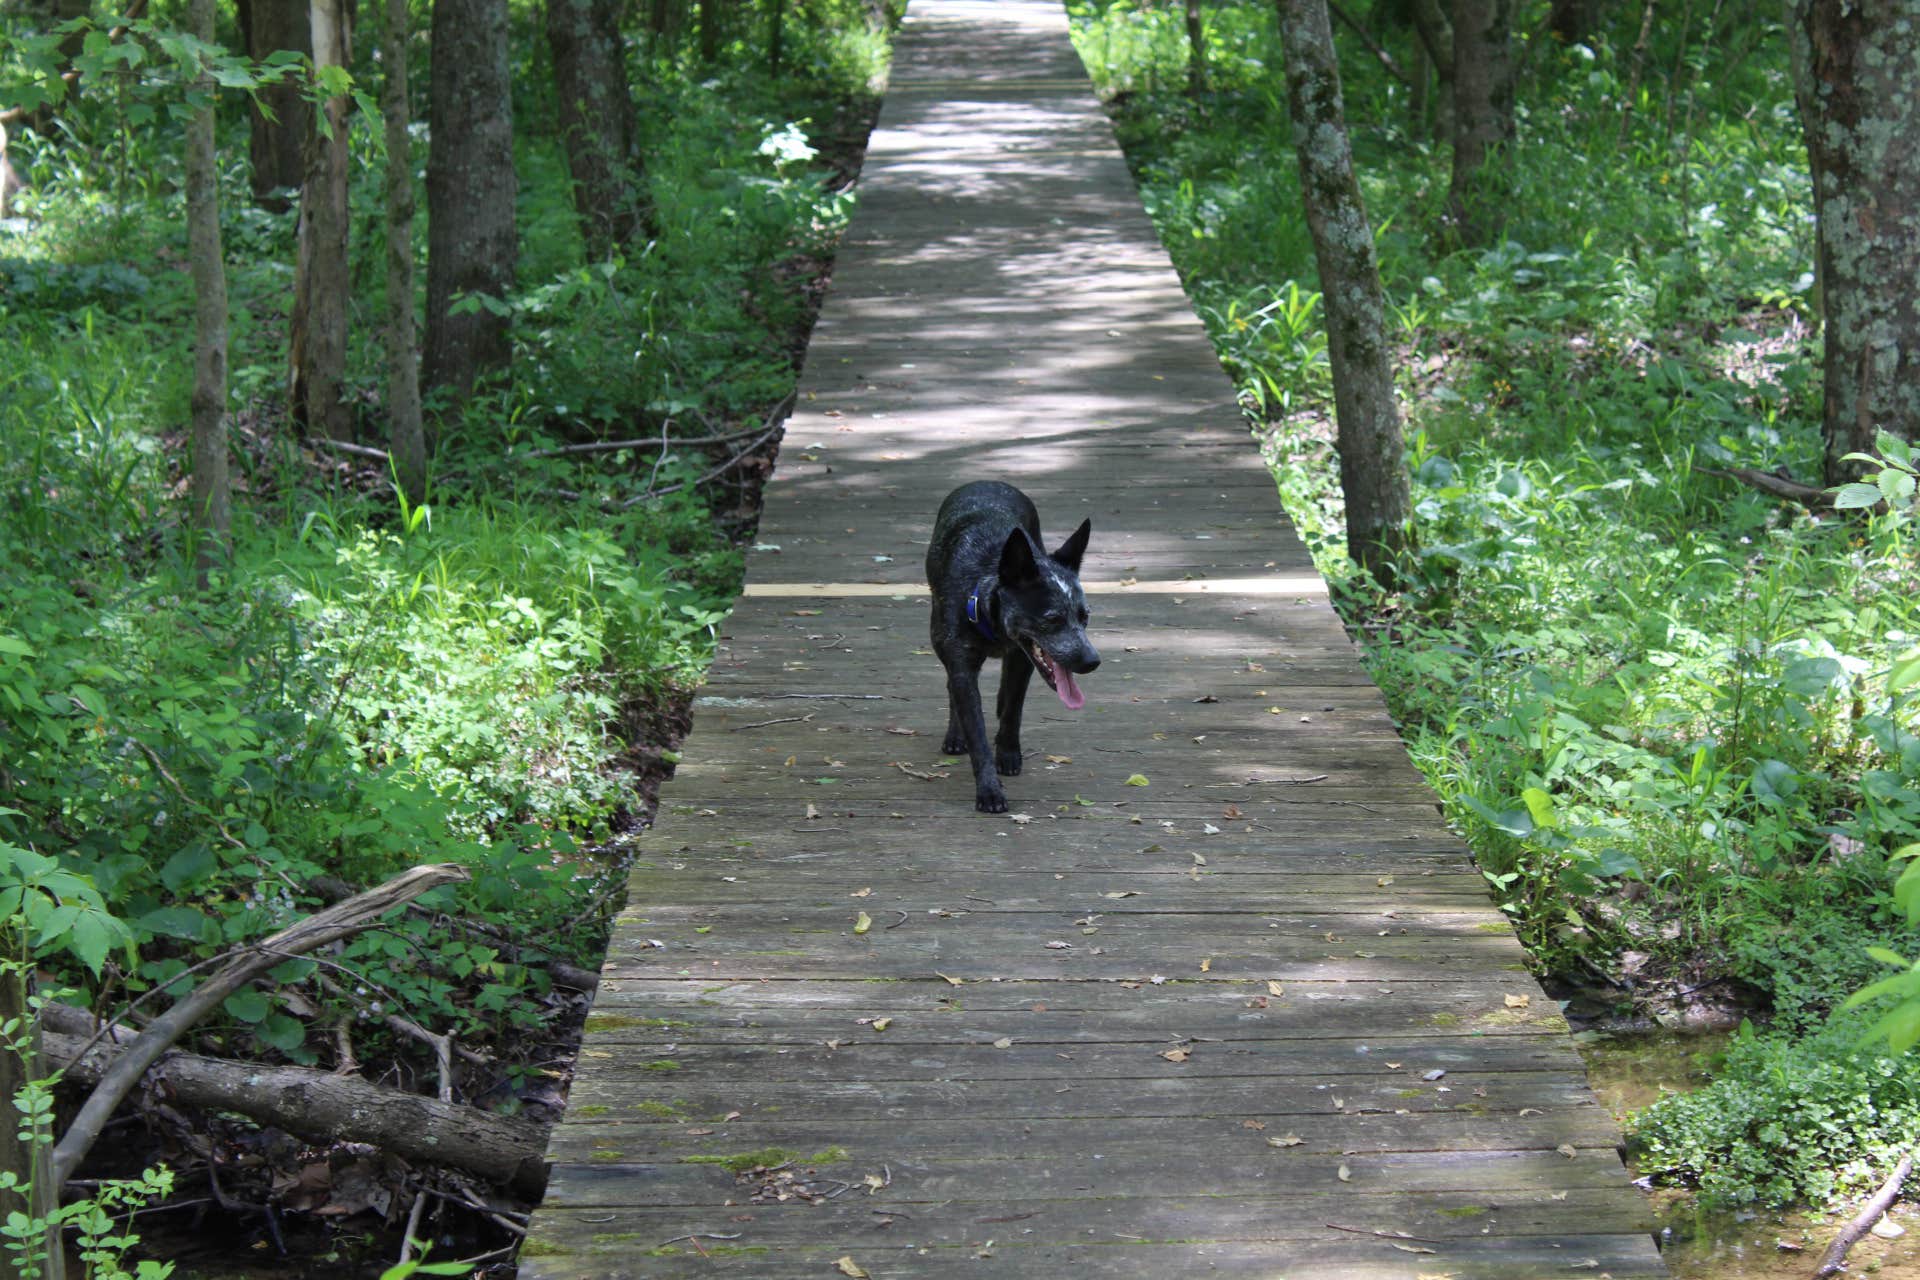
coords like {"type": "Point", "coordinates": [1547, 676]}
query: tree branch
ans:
{"type": "Point", "coordinates": [1834, 1260]}
{"type": "Point", "coordinates": [1366, 38]}
{"type": "Point", "coordinates": [1812, 497]}
{"type": "Point", "coordinates": [336, 922]}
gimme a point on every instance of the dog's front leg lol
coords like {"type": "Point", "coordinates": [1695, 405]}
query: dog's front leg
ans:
{"type": "Point", "coordinates": [963, 699]}
{"type": "Point", "coordinates": [1016, 669]}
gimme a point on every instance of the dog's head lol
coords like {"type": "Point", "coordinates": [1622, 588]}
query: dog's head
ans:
{"type": "Point", "coordinates": [1044, 611]}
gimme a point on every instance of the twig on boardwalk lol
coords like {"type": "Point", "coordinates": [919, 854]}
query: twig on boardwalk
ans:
{"type": "Point", "coordinates": [850, 697]}
{"type": "Point", "coordinates": [761, 724]}
{"type": "Point", "coordinates": [1834, 1260]}
{"type": "Point", "coordinates": [897, 923]}
{"type": "Point", "coordinates": [1264, 782]}
{"type": "Point", "coordinates": [698, 1236]}
{"type": "Point", "coordinates": [1385, 1235]}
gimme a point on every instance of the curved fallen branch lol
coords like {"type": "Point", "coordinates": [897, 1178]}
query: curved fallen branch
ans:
{"type": "Point", "coordinates": [342, 920]}
{"type": "Point", "coordinates": [1834, 1260]}
{"type": "Point", "coordinates": [322, 1107]}
{"type": "Point", "coordinates": [1812, 497]}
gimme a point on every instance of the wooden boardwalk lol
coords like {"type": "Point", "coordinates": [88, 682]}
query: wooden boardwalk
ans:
{"type": "Point", "coordinates": [1255, 1018]}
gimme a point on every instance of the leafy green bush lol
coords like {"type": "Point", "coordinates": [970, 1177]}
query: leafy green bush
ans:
{"type": "Point", "coordinates": [1787, 1120]}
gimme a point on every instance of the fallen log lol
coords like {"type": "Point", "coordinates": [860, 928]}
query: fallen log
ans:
{"type": "Point", "coordinates": [128, 1064]}
{"type": "Point", "coordinates": [320, 1107]}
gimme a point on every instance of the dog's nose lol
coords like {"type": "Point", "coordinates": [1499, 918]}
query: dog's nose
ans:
{"type": "Point", "coordinates": [1088, 660]}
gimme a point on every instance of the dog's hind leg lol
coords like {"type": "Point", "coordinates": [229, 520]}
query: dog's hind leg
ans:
{"type": "Point", "coordinates": [1016, 669]}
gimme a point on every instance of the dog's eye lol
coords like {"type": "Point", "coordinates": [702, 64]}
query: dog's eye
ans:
{"type": "Point", "coordinates": [1052, 618]}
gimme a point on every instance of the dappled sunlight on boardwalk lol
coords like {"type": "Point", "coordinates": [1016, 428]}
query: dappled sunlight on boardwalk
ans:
{"type": "Point", "coordinates": [1222, 994]}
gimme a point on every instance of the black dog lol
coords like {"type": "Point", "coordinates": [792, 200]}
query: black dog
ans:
{"type": "Point", "coordinates": [998, 594]}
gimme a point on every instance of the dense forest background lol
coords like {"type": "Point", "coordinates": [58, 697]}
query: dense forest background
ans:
{"type": "Point", "coordinates": [379, 433]}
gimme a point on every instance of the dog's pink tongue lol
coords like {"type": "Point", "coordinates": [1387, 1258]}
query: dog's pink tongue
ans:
{"type": "Point", "coordinates": [1069, 691]}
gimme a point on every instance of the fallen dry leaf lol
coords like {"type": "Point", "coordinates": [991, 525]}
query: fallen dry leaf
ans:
{"type": "Point", "coordinates": [1022, 818]}
{"type": "Point", "coordinates": [1123, 893]}
{"type": "Point", "coordinates": [1176, 1055]}
{"type": "Point", "coordinates": [1255, 1125]}
{"type": "Point", "coordinates": [862, 893]}
{"type": "Point", "coordinates": [1568, 1150]}
{"type": "Point", "coordinates": [1137, 780]}
{"type": "Point", "coordinates": [1519, 1002]}
{"type": "Point", "coordinates": [812, 813]}
{"type": "Point", "coordinates": [1412, 1248]}
{"type": "Point", "coordinates": [848, 1267]}
{"type": "Point", "coordinates": [952, 982]}
{"type": "Point", "coordinates": [1273, 987]}
{"type": "Point", "coordinates": [1345, 1174]}
{"type": "Point", "coordinates": [1384, 881]}
{"type": "Point", "coordinates": [1291, 1140]}
{"type": "Point", "coordinates": [881, 1024]}
{"type": "Point", "coordinates": [1059, 759]}
{"type": "Point", "coordinates": [1004, 1042]}
{"type": "Point", "coordinates": [1206, 966]}
{"type": "Point", "coordinates": [862, 923]}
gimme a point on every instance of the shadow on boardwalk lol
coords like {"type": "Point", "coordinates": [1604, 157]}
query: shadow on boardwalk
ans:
{"type": "Point", "coordinates": [1256, 1017]}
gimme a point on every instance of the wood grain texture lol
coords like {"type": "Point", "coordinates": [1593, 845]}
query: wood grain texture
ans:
{"type": "Point", "coordinates": [1252, 1018]}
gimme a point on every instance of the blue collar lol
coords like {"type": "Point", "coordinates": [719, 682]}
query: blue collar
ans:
{"type": "Point", "coordinates": [978, 616]}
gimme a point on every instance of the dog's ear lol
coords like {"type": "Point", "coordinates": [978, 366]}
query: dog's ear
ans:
{"type": "Point", "coordinates": [1019, 558]}
{"type": "Point", "coordinates": [1075, 547]}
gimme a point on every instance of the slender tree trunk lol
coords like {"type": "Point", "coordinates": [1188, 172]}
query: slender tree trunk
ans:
{"type": "Point", "coordinates": [712, 29]}
{"type": "Point", "coordinates": [1435, 29]}
{"type": "Point", "coordinates": [596, 120]}
{"type": "Point", "coordinates": [407, 438]}
{"type": "Point", "coordinates": [776, 35]}
{"type": "Point", "coordinates": [1638, 64]}
{"type": "Point", "coordinates": [1372, 475]}
{"type": "Point", "coordinates": [317, 358]}
{"type": "Point", "coordinates": [1482, 119]}
{"type": "Point", "coordinates": [276, 146]}
{"type": "Point", "coordinates": [1420, 99]}
{"type": "Point", "coordinates": [211, 493]}
{"type": "Point", "coordinates": [1196, 50]}
{"type": "Point", "coordinates": [1570, 21]}
{"type": "Point", "coordinates": [471, 188]}
{"type": "Point", "coordinates": [1854, 73]}
{"type": "Point", "coordinates": [10, 182]}
{"type": "Point", "coordinates": [31, 1157]}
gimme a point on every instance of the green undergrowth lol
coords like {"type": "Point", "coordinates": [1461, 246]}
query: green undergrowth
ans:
{"type": "Point", "coordinates": [364, 686]}
{"type": "Point", "coordinates": [1654, 701]}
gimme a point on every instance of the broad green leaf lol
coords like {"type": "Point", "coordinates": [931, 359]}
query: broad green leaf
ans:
{"type": "Point", "coordinates": [1539, 806]}
{"type": "Point", "coordinates": [1892, 446]}
{"type": "Point", "coordinates": [1885, 956]}
{"type": "Point", "coordinates": [1906, 670]}
{"type": "Point", "coordinates": [247, 1005]}
{"type": "Point", "coordinates": [1851, 497]}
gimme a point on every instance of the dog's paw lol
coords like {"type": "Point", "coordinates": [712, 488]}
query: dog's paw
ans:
{"type": "Point", "coordinates": [954, 745]}
{"type": "Point", "coordinates": [990, 801]}
{"type": "Point", "coordinates": [1007, 763]}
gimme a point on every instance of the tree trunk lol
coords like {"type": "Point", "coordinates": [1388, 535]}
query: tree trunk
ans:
{"type": "Point", "coordinates": [30, 1157]}
{"type": "Point", "coordinates": [1373, 477]}
{"type": "Point", "coordinates": [776, 35]}
{"type": "Point", "coordinates": [317, 356]}
{"type": "Point", "coordinates": [211, 491]}
{"type": "Point", "coordinates": [1482, 119]}
{"type": "Point", "coordinates": [1431, 24]}
{"type": "Point", "coordinates": [1570, 21]}
{"type": "Point", "coordinates": [712, 29]}
{"type": "Point", "coordinates": [1854, 66]}
{"type": "Point", "coordinates": [596, 119]}
{"type": "Point", "coordinates": [276, 147]}
{"type": "Point", "coordinates": [10, 182]}
{"type": "Point", "coordinates": [1196, 50]}
{"type": "Point", "coordinates": [471, 188]}
{"type": "Point", "coordinates": [406, 434]}
{"type": "Point", "coordinates": [323, 1107]}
